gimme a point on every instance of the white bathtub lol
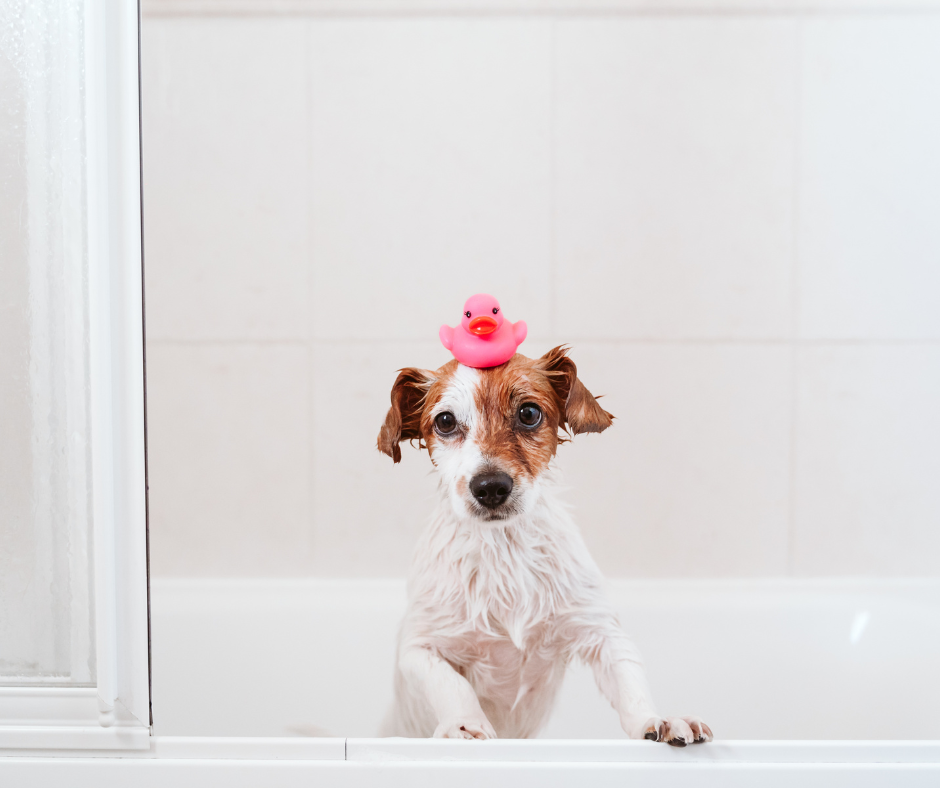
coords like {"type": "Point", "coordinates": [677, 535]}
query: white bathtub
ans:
{"type": "Point", "coordinates": [796, 660]}
{"type": "Point", "coordinates": [281, 683]}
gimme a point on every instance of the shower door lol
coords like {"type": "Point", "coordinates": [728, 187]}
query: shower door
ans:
{"type": "Point", "coordinates": [74, 647]}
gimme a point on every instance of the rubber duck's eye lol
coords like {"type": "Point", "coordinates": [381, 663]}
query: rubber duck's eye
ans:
{"type": "Point", "coordinates": [445, 422]}
{"type": "Point", "coordinates": [467, 313]}
{"type": "Point", "coordinates": [495, 309]}
{"type": "Point", "coordinates": [530, 415]}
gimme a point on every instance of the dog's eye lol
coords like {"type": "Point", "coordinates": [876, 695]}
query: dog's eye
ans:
{"type": "Point", "coordinates": [467, 313]}
{"type": "Point", "coordinates": [530, 415]}
{"type": "Point", "coordinates": [445, 422]}
{"type": "Point", "coordinates": [495, 309]}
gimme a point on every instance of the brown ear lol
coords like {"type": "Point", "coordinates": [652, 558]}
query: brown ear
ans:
{"type": "Point", "coordinates": [403, 421]}
{"type": "Point", "coordinates": [582, 413]}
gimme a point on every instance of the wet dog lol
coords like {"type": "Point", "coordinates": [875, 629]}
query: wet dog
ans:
{"type": "Point", "coordinates": [503, 593]}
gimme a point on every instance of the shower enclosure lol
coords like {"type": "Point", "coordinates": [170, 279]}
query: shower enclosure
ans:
{"type": "Point", "coordinates": [74, 651]}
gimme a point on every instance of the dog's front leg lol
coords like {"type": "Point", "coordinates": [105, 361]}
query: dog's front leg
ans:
{"type": "Point", "coordinates": [452, 700]}
{"type": "Point", "coordinates": [619, 673]}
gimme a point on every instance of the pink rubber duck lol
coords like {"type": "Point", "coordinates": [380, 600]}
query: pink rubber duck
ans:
{"type": "Point", "coordinates": [484, 337]}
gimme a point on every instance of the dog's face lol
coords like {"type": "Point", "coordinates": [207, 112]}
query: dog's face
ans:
{"type": "Point", "coordinates": [491, 433]}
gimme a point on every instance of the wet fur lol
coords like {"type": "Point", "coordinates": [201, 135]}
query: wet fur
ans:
{"type": "Point", "coordinates": [501, 601]}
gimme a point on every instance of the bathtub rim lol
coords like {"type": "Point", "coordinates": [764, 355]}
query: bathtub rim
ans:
{"type": "Point", "coordinates": [855, 752]}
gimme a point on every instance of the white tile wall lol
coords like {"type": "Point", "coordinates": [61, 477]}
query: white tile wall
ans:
{"type": "Point", "coordinates": [692, 479]}
{"type": "Point", "coordinates": [225, 146]}
{"type": "Point", "coordinates": [868, 460]}
{"type": "Point", "coordinates": [731, 218]}
{"type": "Point", "coordinates": [870, 179]}
{"type": "Point", "coordinates": [675, 167]}
{"type": "Point", "coordinates": [429, 151]}
{"type": "Point", "coordinates": [228, 430]}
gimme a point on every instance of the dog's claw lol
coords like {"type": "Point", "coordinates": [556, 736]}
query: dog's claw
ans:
{"type": "Point", "coordinates": [700, 730]}
{"type": "Point", "coordinates": [668, 735]}
{"type": "Point", "coordinates": [676, 731]}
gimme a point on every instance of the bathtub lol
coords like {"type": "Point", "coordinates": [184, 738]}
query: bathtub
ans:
{"type": "Point", "coordinates": [283, 683]}
{"type": "Point", "coordinates": [766, 660]}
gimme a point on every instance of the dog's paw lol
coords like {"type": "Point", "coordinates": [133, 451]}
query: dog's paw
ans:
{"type": "Point", "coordinates": [465, 728]}
{"type": "Point", "coordinates": [677, 731]}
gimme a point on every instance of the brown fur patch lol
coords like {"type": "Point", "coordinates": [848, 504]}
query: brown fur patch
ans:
{"type": "Point", "coordinates": [504, 389]}
{"type": "Point", "coordinates": [551, 382]}
{"type": "Point", "coordinates": [403, 420]}
{"type": "Point", "coordinates": [582, 412]}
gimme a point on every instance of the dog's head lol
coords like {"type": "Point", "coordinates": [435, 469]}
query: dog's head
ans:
{"type": "Point", "coordinates": [491, 432]}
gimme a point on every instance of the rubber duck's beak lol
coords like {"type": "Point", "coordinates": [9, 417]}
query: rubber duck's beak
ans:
{"type": "Point", "coordinates": [482, 325]}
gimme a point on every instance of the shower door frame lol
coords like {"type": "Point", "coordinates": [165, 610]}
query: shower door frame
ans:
{"type": "Point", "coordinates": [114, 714]}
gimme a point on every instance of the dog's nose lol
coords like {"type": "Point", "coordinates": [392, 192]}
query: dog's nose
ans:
{"type": "Point", "coordinates": [491, 489]}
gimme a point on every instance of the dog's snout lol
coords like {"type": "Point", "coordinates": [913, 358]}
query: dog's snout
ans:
{"type": "Point", "coordinates": [491, 489]}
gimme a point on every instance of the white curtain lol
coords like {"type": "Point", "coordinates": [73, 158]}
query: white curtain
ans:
{"type": "Point", "coordinates": [46, 616]}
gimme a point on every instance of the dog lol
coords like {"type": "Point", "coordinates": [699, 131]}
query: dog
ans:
{"type": "Point", "coordinates": [503, 593]}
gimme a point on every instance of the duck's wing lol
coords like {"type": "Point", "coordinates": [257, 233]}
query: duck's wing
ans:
{"type": "Point", "coordinates": [447, 337]}
{"type": "Point", "coordinates": [519, 331]}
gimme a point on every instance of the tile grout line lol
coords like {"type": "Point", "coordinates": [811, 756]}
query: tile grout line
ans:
{"type": "Point", "coordinates": [795, 303]}
{"type": "Point", "coordinates": [308, 542]}
{"type": "Point", "coordinates": [235, 9]}
{"type": "Point", "coordinates": [639, 341]}
{"type": "Point", "coordinates": [552, 181]}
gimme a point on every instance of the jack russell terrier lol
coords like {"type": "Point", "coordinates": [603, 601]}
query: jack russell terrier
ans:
{"type": "Point", "coordinates": [503, 593]}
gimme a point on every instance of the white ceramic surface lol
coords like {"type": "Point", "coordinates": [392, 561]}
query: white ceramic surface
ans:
{"type": "Point", "coordinates": [429, 172]}
{"type": "Point", "coordinates": [674, 161]}
{"type": "Point", "coordinates": [868, 454]}
{"type": "Point", "coordinates": [869, 192]}
{"type": "Point", "coordinates": [706, 205]}
{"type": "Point", "coordinates": [228, 443]}
{"type": "Point", "coordinates": [224, 152]}
{"type": "Point", "coordinates": [692, 479]}
{"type": "Point", "coordinates": [757, 659]}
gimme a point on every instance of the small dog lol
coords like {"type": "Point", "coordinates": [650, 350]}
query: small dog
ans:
{"type": "Point", "coordinates": [502, 592]}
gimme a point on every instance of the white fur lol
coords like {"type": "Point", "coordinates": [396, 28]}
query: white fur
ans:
{"type": "Point", "coordinates": [498, 609]}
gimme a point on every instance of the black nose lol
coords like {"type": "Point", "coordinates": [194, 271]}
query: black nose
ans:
{"type": "Point", "coordinates": [491, 489]}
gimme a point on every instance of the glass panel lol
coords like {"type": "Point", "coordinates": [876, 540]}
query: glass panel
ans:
{"type": "Point", "coordinates": [46, 618]}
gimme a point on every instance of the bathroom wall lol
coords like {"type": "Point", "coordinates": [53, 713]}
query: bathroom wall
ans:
{"type": "Point", "coordinates": [728, 210]}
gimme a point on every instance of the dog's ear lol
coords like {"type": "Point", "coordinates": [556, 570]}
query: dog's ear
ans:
{"type": "Point", "coordinates": [403, 421]}
{"type": "Point", "coordinates": [582, 413]}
